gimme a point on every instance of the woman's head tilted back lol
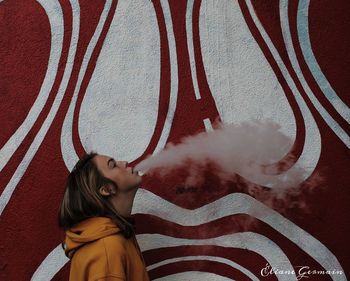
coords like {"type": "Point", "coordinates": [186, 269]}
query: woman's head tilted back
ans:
{"type": "Point", "coordinates": [83, 198]}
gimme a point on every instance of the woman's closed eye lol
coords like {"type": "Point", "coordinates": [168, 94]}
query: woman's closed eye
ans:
{"type": "Point", "coordinates": [112, 163]}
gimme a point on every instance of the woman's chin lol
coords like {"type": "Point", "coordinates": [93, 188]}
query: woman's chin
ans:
{"type": "Point", "coordinates": [138, 181]}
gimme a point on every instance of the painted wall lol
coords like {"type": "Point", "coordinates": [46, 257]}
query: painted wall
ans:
{"type": "Point", "coordinates": [127, 77]}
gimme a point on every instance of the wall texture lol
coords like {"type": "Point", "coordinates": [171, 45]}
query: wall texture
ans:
{"type": "Point", "coordinates": [127, 77]}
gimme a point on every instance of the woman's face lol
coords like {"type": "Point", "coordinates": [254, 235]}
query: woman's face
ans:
{"type": "Point", "coordinates": [117, 171]}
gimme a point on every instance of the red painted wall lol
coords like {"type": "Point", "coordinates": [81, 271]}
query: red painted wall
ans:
{"type": "Point", "coordinates": [185, 62]}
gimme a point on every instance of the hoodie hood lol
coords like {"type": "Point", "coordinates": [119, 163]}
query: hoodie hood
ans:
{"type": "Point", "coordinates": [86, 231]}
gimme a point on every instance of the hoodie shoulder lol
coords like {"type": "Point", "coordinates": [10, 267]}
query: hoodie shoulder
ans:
{"type": "Point", "coordinates": [88, 231]}
{"type": "Point", "coordinates": [99, 258]}
{"type": "Point", "coordinates": [115, 243]}
{"type": "Point", "coordinates": [116, 253]}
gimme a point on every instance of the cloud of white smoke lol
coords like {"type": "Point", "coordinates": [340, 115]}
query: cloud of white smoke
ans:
{"type": "Point", "coordinates": [251, 150]}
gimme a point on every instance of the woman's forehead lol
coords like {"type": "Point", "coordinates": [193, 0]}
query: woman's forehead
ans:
{"type": "Point", "coordinates": [101, 160]}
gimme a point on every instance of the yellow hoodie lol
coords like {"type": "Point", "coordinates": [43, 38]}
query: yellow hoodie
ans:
{"type": "Point", "coordinates": [99, 252]}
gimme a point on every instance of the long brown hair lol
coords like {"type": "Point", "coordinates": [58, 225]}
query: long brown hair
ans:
{"type": "Point", "coordinates": [82, 199]}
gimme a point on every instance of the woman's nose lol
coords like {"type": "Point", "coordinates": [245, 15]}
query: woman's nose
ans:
{"type": "Point", "coordinates": [123, 163]}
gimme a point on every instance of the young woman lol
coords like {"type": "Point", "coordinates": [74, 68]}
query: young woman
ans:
{"type": "Point", "coordinates": [96, 216]}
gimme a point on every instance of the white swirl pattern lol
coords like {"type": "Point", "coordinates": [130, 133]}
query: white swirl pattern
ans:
{"type": "Point", "coordinates": [287, 37]}
{"type": "Point", "coordinates": [237, 203]}
{"type": "Point", "coordinates": [190, 44]}
{"type": "Point", "coordinates": [248, 240]}
{"type": "Point", "coordinates": [55, 17]}
{"type": "Point", "coordinates": [321, 79]}
{"type": "Point", "coordinates": [54, 12]}
{"type": "Point", "coordinates": [147, 202]}
{"type": "Point", "coordinates": [246, 101]}
{"type": "Point", "coordinates": [193, 276]}
{"type": "Point", "coordinates": [173, 77]}
{"type": "Point", "coordinates": [116, 106]}
{"type": "Point", "coordinates": [205, 258]}
{"type": "Point", "coordinates": [69, 154]}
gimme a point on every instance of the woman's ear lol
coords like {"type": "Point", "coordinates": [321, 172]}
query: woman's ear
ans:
{"type": "Point", "coordinates": [107, 190]}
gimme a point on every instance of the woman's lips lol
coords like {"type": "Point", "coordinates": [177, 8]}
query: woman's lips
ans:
{"type": "Point", "coordinates": [136, 172]}
{"type": "Point", "coordinates": [133, 171]}
{"type": "Point", "coordinates": [131, 168]}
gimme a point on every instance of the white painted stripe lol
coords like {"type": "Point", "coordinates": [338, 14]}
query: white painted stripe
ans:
{"type": "Point", "coordinates": [205, 258]}
{"type": "Point", "coordinates": [321, 79]}
{"type": "Point", "coordinates": [345, 138]}
{"type": "Point", "coordinates": [207, 124]}
{"type": "Point", "coordinates": [173, 80]}
{"type": "Point", "coordinates": [248, 240]}
{"type": "Point", "coordinates": [55, 16]}
{"type": "Point", "coordinates": [119, 111]}
{"type": "Point", "coordinates": [233, 105]}
{"type": "Point", "coordinates": [54, 12]}
{"type": "Point", "coordinates": [312, 145]}
{"type": "Point", "coordinates": [147, 202]}
{"type": "Point", "coordinates": [57, 259]}
{"type": "Point", "coordinates": [193, 276]}
{"type": "Point", "coordinates": [50, 265]}
{"type": "Point", "coordinates": [190, 46]}
{"type": "Point", "coordinates": [69, 154]}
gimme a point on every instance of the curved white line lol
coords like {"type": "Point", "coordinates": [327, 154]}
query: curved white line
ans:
{"type": "Point", "coordinates": [173, 77]}
{"type": "Point", "coordinates": [190, 45]}
{"type": "Point", "coordinates": [69, 154]}
{"type": "Point", "coordinates": [147, 202]}
{"type": "Point", "coordinates": [248, 240]}
{"type": "Point", "coordinates": [321, 79]}
{"type": "Point", "coordinates": [312, 147]}
{"type": "Point", "coordinates": [119, 111]}
{"type": "Point", "coordinates": [207, 124]}
{"type": "Point", "coordinates": [287, 38]}
{"type": "Point", "coordinates": [55, 11]}
{"type": "Point", "coordinates": [50, 265]}
{"type": "Point", "coordinates": [193, 276]}
{"type": "Point", "coordinates": [56, 260]}
{"type": "Point", "coordinates": [206, 258]}
{"type": "Point", "coordinates": [310, 155]}
{"type": "Point", "coordinates": [55, 16]}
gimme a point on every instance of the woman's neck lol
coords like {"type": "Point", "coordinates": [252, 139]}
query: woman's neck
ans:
{"type": "Point", "coordinates": [123, 202]}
